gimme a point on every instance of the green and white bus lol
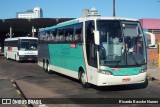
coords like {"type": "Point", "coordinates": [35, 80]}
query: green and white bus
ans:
{"type": "Point", "coordinates": [102, 51]}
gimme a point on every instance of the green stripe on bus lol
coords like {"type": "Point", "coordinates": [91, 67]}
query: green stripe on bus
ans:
{"type": "Point", "coordinates": [125, 71]}
{"type": "Point", "coordinates": [62, 55]}
{"type": "Point", "coordinates": [62, 25]}
{"type": "Point", "coordinates": [67, 23]}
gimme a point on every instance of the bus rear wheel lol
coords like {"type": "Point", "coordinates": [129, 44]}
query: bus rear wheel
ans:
{"type": "Point", "coordinates": [83, 80]}
{"type": "Point", "coordinates": [44, 68]}
{"type": "Point", "coordinates": [16, 58]}
{"type": "Point", "coordinates": [7, 56]}
{"type": "Point", "coordinates": [48, 68]}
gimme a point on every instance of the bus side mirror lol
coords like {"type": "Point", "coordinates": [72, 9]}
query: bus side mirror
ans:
{"type": "Point", "coordinates": [153, 40]}
{"type": "Point", "coordinates": [96, 37]}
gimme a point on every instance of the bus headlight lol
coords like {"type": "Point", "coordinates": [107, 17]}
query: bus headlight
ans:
{"type": "Point", "coordinates": [143, 70]}
{"type": "Point", "coordinates": [105, 72]}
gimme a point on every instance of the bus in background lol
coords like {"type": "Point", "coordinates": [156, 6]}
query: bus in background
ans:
{"type": "Point", "coordinates": [103, 51]}
{"type": "Point", "coordinates": [21, 48]}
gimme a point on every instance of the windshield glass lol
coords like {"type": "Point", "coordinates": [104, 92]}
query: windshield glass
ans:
{"type": "Point", "coordinates": [115, 48]}
{"type": "Point", "coordinates": [28, 44]}
{"type": "Point", "coordinates": [134, 43]}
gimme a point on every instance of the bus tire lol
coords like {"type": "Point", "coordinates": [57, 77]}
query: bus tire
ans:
{"type": "Point", "coordinates": [15, 58]}
{"type": "Point", "coordinates": [145, 84]}
{"type": "Point", "coordinates": [7, 56]}
{"type": "Point", "coordinates": [44, 68]}
{"type": "Point", "coordinates": [83, 80]}
{"type": "Point", "coordinates": [48, 68]}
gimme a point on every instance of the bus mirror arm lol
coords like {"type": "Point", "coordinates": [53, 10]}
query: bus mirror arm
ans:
{"type": "Point", "coordinates": [96, 37]}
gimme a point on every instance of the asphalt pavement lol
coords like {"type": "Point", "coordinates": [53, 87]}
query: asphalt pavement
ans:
{"type": "Point", "coordinates": [153, 72]}
{"type": "Point", "coordinates": [8, 89]}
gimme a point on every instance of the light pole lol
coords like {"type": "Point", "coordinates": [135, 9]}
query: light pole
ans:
{"type": "Point", "coordinates": [114, 8]}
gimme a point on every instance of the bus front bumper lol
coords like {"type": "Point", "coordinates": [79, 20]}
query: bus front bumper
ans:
{"type": "Point", "coordinates": [28, 58]}
{"type": "Point", "coordinates": [108, 80]}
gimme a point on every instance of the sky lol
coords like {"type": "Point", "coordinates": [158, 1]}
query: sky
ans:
{"type": "Point", "coordinates": [73, 8]}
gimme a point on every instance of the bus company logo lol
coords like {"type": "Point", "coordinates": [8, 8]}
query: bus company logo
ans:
{"type": "Point", "coordinates": [126, 79]}
{"type": "Point", "coordinates": [29, 53]}
{"type": "Point", "coordinates": [6, 101]}
{"type": "Point", "coordinates": [73, 45]}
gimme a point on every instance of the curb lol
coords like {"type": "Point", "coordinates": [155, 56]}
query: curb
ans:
{"type": "Point", "coordinates": [20, 93]}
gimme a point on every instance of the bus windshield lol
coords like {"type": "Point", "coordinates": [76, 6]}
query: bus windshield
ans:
{"type": "Point", "coordinates": [121, 43]}
{"type": "Point", "coordinates": [28, 44]}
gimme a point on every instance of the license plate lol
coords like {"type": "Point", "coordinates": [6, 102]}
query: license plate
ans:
{"type": "Point", "coordinates": [126, 79]}
{"type": "Point", "coordinates": [29, 58]}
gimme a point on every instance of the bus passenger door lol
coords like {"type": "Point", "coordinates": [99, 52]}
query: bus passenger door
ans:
{"type": "Point", "coordinates": [91, 51]}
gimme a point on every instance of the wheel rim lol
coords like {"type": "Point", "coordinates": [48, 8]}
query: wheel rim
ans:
{"type": "Point", "coordinates": [83, 79]}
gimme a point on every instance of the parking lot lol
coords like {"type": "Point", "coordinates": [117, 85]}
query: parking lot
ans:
{"type": "Point", "coordinates": [35, 83]}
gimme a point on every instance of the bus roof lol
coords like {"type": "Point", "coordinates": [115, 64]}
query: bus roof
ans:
{"type": "Point", "coordinates": [95, 18]}
{"type": "Point", "coordinates": [16, 38]}
{"type": "Point", "coordinates": [74, 21]}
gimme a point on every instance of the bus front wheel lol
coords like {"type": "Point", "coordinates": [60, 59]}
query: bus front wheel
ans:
{"type": "Point", "coordinates": [83, 80]}
{"type": "Point", "coordinates": [145, 84]}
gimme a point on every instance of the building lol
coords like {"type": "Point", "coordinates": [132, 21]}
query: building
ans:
{"type": "Point", "coordinates": [91, 12]}
{"type": "Point", "coordinates": [30, 14]}
{"type": "Point", "coordinates": [153, 26]}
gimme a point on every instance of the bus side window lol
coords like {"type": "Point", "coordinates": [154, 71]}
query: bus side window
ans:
{"type": "Point", "coordinates": [69, 34]}
{"type": "Point", "coordinates": [47, 36]}
{"type": "Point", "coordinates": [78, 38]}
{"type": "Point", "coordinates": [53, 35]}
{"type": "Point", "coordinates": [60, 36]}
{"type": "Point", "coordinates": [78, 33]}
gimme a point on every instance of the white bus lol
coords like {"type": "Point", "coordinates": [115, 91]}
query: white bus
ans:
{"type": "Point", "coordinates": [21, 48]}
{"type": "Point", "coordinates": [96, 50]}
